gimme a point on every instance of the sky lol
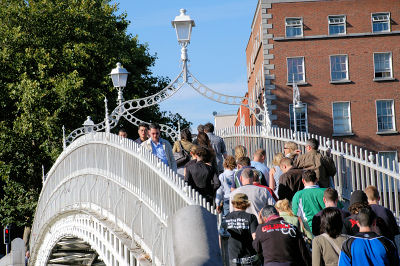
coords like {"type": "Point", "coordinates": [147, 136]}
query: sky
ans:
{"type": "Point", "coordinates": [216, 52]}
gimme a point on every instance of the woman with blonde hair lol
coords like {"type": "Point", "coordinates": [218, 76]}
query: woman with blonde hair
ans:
{"type": "Point", "coordinates": [285, 211]}
{"type": "Point", "coordinates": [275, 172]}
{"type": "Point", "coordinates": [240, 151]}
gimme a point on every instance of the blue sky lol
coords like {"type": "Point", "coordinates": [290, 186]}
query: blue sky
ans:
{"type": "Point", "coordinates": [216, 52]}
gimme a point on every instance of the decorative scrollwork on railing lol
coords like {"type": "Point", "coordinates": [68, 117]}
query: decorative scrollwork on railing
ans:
{"type": "Point", "coordinates": [226, 99]}
{"type": "Point", "coordinates": [127, 108]}
{"type": "Point", "coordinates": [172, 133]}
{"type": "Point", "coordinates": [157, 98]}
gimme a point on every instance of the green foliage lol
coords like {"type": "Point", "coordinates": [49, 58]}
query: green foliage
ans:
{"type": "Point", "coordinates": [55, 57]}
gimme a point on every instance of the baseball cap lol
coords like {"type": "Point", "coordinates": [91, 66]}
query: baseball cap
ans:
{"type": "Point", "coordinates": [240, 197]}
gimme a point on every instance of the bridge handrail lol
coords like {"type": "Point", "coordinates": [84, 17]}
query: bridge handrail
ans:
{"type": "Point", "coordinates": [79, 156]}
{"type": "Point", "coordinates": [356, 167]}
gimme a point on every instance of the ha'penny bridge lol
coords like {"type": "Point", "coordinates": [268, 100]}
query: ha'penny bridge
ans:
{"type": "Point", "coordinates": [107, 201]}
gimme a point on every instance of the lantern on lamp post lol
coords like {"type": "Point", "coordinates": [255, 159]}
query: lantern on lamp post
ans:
{"type": "Point", "coordinates": [119, 76]}
{"type": "Point", "coordinates": [298, 106]}
{"type": "Point", "coordinates": [183, 26]}
{"type": "Point", "coordinates": [88, 125]}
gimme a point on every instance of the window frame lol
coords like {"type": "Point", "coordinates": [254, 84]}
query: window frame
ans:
{"type": "Point", "coordinates": [393, 130]}
{"type": "Point", "coordinates": [396, 159]}
{"type": "Point", "coordinates": [372, 22]}
{"type": "Point", "coordinates": [391, 66]}
{"type": "Point", "coordinates": [301, 27]}
{"type": "Point", "coordinates": [344, 24]}
{"type": "Point", "coordinates": [347, 69]}
{"type": "Point", "coordinates": [336, 133]}
{"type": "Point", "coordinates": [304, 70]}
{"type": "Point", "coordinates": [305, 118]}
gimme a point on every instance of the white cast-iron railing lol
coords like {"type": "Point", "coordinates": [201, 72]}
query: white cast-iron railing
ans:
{"type": "Point", "coordinates": [356, 168]}
{"type": "Point", "coordinates": [113, 194]}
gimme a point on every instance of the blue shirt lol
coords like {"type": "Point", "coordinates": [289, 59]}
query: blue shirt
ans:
{"type": "Point", "coordinates": [158, 150]}
{"type": "Point", "coordinates": [277, 175]}
{"type": "Point", "coordinates": [368, 249]}
{"type": "Point", "coordinates": [224, 191]}
{"type": "Point", "coordinates": [263, 169]}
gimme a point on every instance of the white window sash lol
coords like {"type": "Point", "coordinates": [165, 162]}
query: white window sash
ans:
{"type": "Point", "coordinates": [346, 64]}
{"type": "Point", "coordinates": [381, 62]}
{"type": "Point", "coordinates": [291, 117]}
{"type": "Point", "coordinates": [380, 17]}
{"type": "Point", "coordinates": [290, 75]}
{"type": "Point", "coordinates": [293, 22]}
{"type": "Point", "coordinates": [345, 119]}
{"type": "Point", "coordinates": [392, 115]}
{"type": "Point", "coordinates": [336, 20]}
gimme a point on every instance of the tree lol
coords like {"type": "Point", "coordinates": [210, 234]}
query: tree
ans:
{"type": "Point", "coordinates": [55, 56]}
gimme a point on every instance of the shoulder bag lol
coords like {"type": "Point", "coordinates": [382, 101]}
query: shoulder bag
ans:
{"type": "Point", "coordinates": [181, 157]}
{"type": "Point", "coordinates": [333, 244]}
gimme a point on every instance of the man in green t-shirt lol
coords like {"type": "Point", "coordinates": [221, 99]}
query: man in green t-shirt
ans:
{"type": "Point", "coordinates": [309, 201]}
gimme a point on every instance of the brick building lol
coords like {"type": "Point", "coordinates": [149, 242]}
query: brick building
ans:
{"type": "Point", "coordinates": [345, 57]}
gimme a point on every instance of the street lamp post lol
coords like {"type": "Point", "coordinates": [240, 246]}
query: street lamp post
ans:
{"type": "Point", "coordinates": [119, 76]}
{"type": "Point", "coordinates": [183, 26]}
{"type": "Point", "coordinates": [298, 106]}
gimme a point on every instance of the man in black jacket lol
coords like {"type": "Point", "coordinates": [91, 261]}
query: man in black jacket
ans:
{"type": "Point", "coordinates": [279, 242]}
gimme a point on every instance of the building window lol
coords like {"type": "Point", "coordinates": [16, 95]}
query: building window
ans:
{"type": "Point", "coordinates": [301, 118]}
{"type": "Point", "coordinates": [384, 156]}
{"type": "Point", "coordinates": [383, 65]}
{"type": "Point", "coordinates": [341, 117]}
{"type": "Point", "coordinates": [385, 115]}
{"type": "Point", "coordinates": [339, 68]}
{"type": "Point", "coordinates": [380, 22]}
{"type": "Point", "coordinates": [337, 25]}
{"type": "Point", "coordinates": [295, 67]}
{"type": "Point", "coordinates": [294, 27]}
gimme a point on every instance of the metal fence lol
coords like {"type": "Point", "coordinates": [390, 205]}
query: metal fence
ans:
{"type": "Point", "coordinates": [356, 168]}
{"type": "Point", "coordinates": [118, 180]}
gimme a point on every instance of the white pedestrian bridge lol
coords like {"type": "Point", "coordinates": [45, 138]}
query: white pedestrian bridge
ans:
{"type": "Point", "coordinates": [113, 195]}
{"type": "Point", "coordinates": [108, 201]}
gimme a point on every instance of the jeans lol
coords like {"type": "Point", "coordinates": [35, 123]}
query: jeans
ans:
{"type": "Point", "coordinates": [225, 209]}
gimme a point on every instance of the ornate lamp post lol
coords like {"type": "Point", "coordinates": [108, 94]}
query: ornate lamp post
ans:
{"type": "Point", "coordinates": [183, 26]}
{"type": "Point", "coordinates": [298, 106]}
{"type": "Point", "coordinates": [119, 76]}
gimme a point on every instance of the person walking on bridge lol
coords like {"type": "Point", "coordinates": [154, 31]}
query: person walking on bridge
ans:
{"type": "Point", "coordinates": [218, 145]}
{"type": "Point", "coordinates": [258, 196]}
{"type": "Point", "coordinates": [280, 242]}
{"type": "Point", "coordinates": [323, 166]}
{"type": "Point", "coordinates": [290, 181]}
{"type": "Point", "coordinates": [143, 131]}
{"type": "Point", "coordinates": [160, 147]}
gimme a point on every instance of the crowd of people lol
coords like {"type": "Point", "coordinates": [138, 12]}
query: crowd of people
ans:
{"type": "Point", "coordinates": [285, 214]}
